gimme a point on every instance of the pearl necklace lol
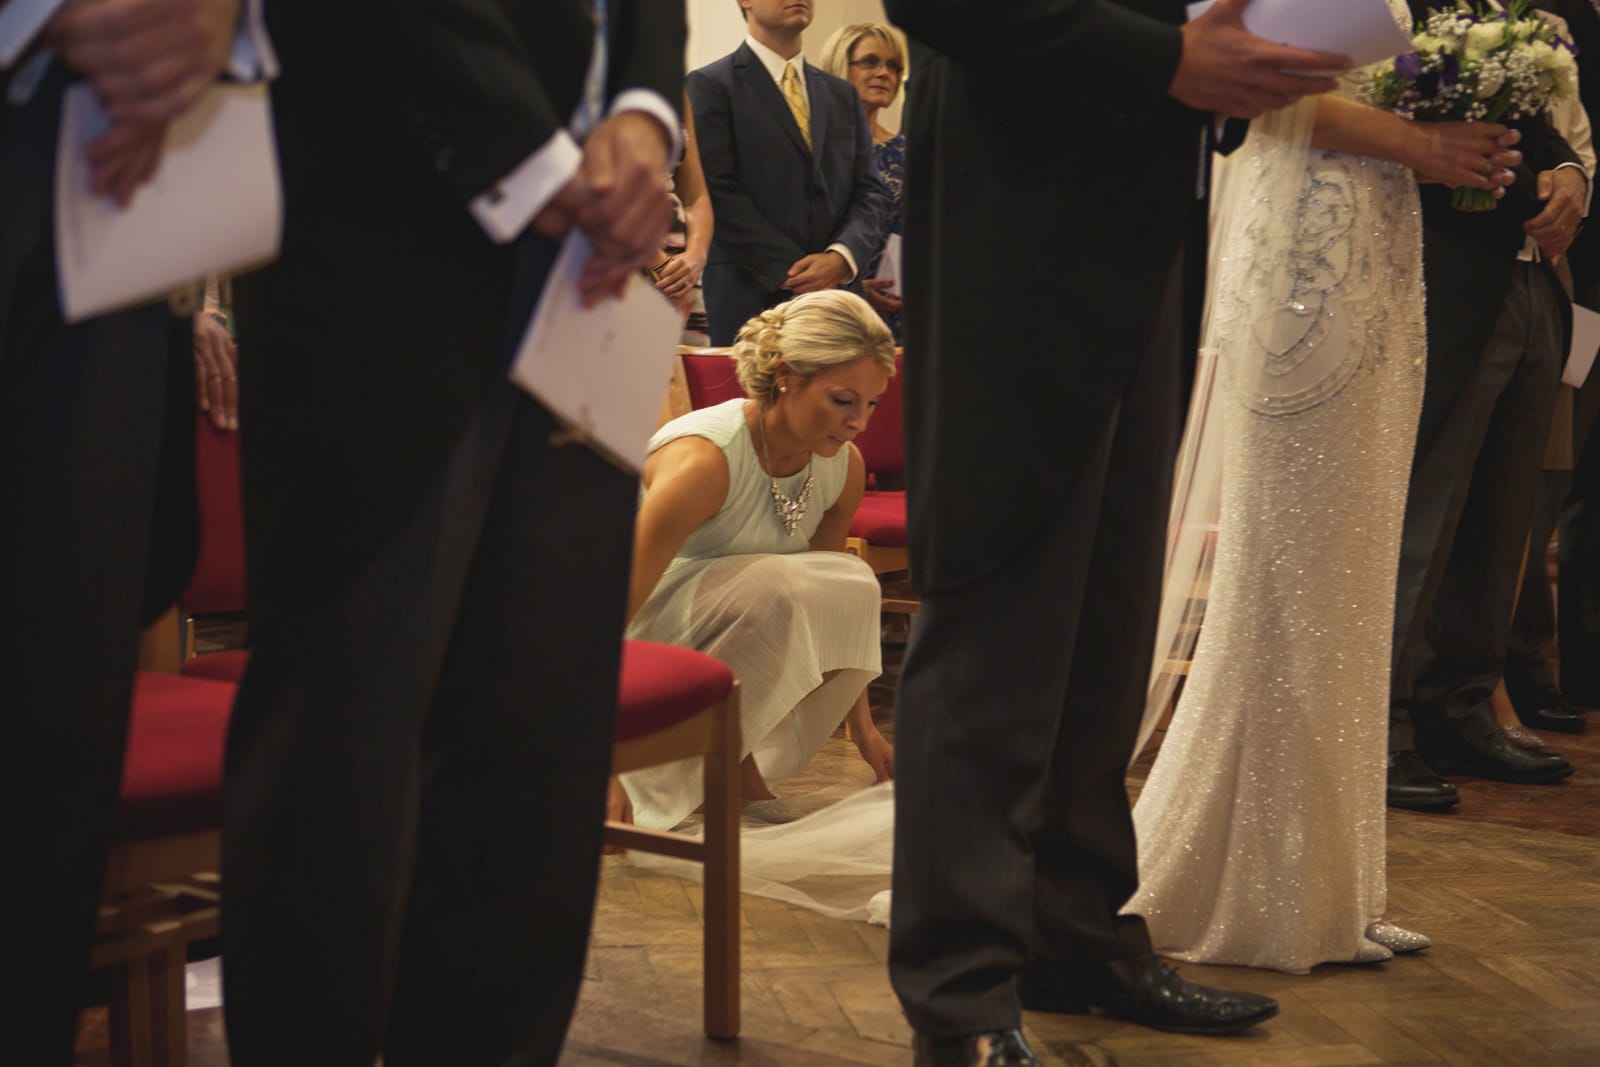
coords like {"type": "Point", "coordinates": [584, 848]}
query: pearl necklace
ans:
{"type": "Point", "coordinates": [790, 510]}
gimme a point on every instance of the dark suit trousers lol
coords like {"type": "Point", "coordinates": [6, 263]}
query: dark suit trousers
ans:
{"type": "Point", "coordinates": [1468, 513]}
{"type": "Point", "coordinates": [417, 772]}
{"type": "Point", "coordinates": [1578, 624]}
{"type": "Point", "coordinates": [1530, 652]}
{"type": "Point", "coordinates": [1018, 709]}
{"type": "Point", "coordinates": [81, 411]}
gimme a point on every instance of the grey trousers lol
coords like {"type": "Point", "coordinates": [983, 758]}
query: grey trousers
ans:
{"type": "Point", "coordinates": [1468, 512]}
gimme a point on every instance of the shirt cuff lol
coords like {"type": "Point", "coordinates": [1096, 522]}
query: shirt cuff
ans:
{"type": "Point", "coordinates": [20, 23]}
{"type": "Point", "coordinates": [850, 260]}
{"type": "Point", "coordinates": [1588, 184]}
{"type": "Point", "coordinates": [654, 104]}
{"type": "Point", "coordinates": [512, 202]}
{"type": "Point", "coordinates": [253, 58]}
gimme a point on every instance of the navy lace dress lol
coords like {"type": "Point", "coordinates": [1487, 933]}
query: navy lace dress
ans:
{"type": "Point", "coordinates": [890, 157]}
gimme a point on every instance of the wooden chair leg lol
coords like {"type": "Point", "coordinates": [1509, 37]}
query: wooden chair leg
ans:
{"type": "Point", "coordinates": [169, 1033]}
{"type": "Point", "coordinates": [128, 1015]}
{"type": "Point", "coordinates": [722, 877]}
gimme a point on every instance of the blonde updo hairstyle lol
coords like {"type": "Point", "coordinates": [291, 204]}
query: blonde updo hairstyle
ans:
{"type": "Point", "coordinates": [807, 335]}
{"type": "Point", "coordinates": [841, 42]}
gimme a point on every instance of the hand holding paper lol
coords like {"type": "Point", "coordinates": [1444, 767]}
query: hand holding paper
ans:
{"type": "Point", "coordinates": [1228, 69]}
{"type": "Point", "coordinates": [602, 368]}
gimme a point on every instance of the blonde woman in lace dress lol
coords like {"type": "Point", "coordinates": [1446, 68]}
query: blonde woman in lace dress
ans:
{"type": "Point", "coordinates": [1261, 827]}
{"type": "Point", "coordinates": [739, 549]}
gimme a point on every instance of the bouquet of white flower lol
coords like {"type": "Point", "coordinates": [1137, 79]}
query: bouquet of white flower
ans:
{"type": "Point", "coordinates": [1488, 64]}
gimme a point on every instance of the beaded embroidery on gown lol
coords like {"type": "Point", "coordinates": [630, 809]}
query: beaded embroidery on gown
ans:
{"type": "Point", "coordinates": [1262, 825]}
{"type": "Point", "coordinates": [780, 616]}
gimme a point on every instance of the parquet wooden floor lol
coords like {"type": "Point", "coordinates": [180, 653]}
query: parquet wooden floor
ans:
{"type": "Point", "coordinates": [1508, 888]}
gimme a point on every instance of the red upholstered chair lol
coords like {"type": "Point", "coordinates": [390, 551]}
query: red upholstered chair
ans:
{"type": "Point", "coordinates": [676, 703]}
{"type": "Point", "coordinates": [878, 531]}
{"type": "Point", "coordinates": [709, 375]}
{"type": "Point", "coordinates": [218, 584]}
{"type": "Point", "coordinates": [158, 894]}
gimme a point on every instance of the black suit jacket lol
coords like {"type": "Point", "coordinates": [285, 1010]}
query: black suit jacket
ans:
{"type": "Point", "coordinates": [1583, 24]}
{"type": "Point", "coordinates": [1050, 181]}
{"type": "Point", "coordinates": [776, 201]}
{"type": "Point", "coordinates": [1468, 259]}
{"type": "Point", "coordinates": [370, 343]}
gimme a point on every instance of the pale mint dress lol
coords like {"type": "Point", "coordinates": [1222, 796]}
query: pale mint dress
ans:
{"type": "Point", "coordinates": [779, 615]}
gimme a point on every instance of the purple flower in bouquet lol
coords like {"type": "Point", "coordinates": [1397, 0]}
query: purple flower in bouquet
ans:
{"type": "Point", "coordinates": [1497, 64]}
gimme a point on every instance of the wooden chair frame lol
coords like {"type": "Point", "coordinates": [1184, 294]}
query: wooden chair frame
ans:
{"type": "Point", "coordinates": [154, 904]}
{"type": "Point", "coordinates": [712, 734]}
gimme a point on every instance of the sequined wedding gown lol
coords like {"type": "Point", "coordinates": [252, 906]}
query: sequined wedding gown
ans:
{"type": "Point", "coordinates": [1261, 827]}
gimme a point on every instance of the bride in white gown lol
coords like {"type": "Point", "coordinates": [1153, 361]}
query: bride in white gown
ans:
{"type": "Point", "coordinates": [1261, 827]}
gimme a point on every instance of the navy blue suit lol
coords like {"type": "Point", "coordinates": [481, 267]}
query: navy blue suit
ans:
{"type": "Point", "coordinates": [775, 200]}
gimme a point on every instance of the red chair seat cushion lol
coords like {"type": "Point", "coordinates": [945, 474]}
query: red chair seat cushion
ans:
{"type": "Point", "coordinates": [172, 772]}
{"type": "Point", "coordinates": [881, 519]}
{"type": "Point", "coordinates": [663, 685]}
{"type": "Point", "coordinates": [218, 666]}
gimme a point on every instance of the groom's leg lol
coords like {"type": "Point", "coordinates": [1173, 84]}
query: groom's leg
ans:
{"type": "Point", "coordinates": [976, 718]}
{"type": "Point", "coordinates": [987, 683]}
{"type": "Point", "coordinates": [1085, 855]}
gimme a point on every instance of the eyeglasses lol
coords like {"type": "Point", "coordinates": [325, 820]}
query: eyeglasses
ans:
{"type": "Point", "coordinates": [872, 64]}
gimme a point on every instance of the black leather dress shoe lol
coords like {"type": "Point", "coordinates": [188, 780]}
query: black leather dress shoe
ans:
{"type": "Point", "coordinates": [1492, 756]}
{"type": "Point", "coordinates": [1554, 714]}
{"type": "Point", "coordinates": [1414, 787]}
{"type": "Point", "coordinates": [999, 1048]}
{"type": "Point", "coordinates": [1146, 991]}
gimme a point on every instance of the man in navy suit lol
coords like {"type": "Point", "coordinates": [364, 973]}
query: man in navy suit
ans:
{"type": "Point", "coordinates": [788, 159]}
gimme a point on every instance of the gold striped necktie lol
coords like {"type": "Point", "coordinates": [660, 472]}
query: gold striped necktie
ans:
{"type": "Point", "coordinates": [797, 101]}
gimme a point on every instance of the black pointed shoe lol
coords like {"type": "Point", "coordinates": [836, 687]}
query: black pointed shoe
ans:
{"type": "Point", "coordinates": [1414, 787]}
{"type": "Point", "coordinates": [1554, 714]}
{"type": "Point", "coordinates": [998, 1048]}
{"type": "Point", "coordinates": [1494, 757]}
{"type": "Point", "coordinates": [1142, 990]}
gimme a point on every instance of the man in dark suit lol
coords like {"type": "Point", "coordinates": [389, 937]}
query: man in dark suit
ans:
{"type": "Point", "coordinates": [418, 758]}
{"type": "Point", "coordinates": [788, 161]}
{"type": "Point", "coordinates": [96, 471]}
{"type": "Point", "coordinates": [1042, 416]}
{"type": "Point", "coordinates": [1497, 326]}
{"type": "Point", "coordinates": [1566, 497]}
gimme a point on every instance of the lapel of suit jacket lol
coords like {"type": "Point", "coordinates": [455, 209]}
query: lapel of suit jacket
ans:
{"type": "Point", "coordinates": [760, 83]}
{"type": "Point", "coordinates": [818, 99]}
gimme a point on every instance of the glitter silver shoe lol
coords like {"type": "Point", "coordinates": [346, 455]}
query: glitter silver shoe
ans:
{"type": "Point", "coordinates": [1396, 938]}
{"type": "Point", "coordinates": [1522, 737]}
{"type": "Point", "coordinates": [1372, 952]}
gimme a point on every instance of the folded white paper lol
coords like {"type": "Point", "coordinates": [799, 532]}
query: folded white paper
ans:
{"type": "Point", "coordinates": [889, 265]}
{"type": "Point", "coordinates": [214, 204]}
{"type": "Point", "coordinates": [1363, 30]}
{"type": "Point", "coordinates": [1585, 343]}
{"type": "Point", "coordinates": [602, 370]}
{"type": "Point", "coordinates": [20, 23]}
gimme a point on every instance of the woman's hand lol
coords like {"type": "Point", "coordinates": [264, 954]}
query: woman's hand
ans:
{"type": "Point", "coordinates": [876, 291]}
{"type": "Point", "coordinates": [1474, 154]}
{"type": "Point", "coordinates": [216, 376]}
{"type": "Point", "coordinates": [678, 277]}
{"type": "Point", "coordinates": [878, 753]}
{"type": "Point", "coordinates": [618, 809]}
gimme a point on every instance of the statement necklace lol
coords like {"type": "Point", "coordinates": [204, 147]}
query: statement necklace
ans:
{"type": "Point", "coordinates": [790, 510]}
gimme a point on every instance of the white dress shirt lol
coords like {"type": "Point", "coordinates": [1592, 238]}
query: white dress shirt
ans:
{"type": "Point", "coordinates": [775, 64]}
